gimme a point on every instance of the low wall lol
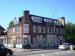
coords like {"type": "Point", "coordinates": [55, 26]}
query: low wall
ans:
{"type": "Point", "coordinates": [9, 45]}
{"type": "Point", "coordinates": [18, 45]}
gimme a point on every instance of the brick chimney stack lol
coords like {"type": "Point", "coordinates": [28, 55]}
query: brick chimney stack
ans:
{"type": "Point", "coordinates": [62, 20]}
{"type": "Point", "coordinates": [26, 16]}
{"type": "Point", "coordinates": [26, 12]}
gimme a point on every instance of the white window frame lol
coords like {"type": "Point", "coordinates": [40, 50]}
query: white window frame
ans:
{"type": "Point", "coordinates": [36, 19]}
{"type": "Point", "coordinates": [26, 28]}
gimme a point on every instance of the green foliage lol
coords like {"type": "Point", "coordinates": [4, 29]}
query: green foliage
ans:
{"type": "Point", "coordinates": [70, 32]}
{"type": "Point", "coordinates": [11, 23]}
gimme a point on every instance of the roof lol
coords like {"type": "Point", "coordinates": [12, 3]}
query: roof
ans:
{"type": "Point", "coordinates": [2, 28]}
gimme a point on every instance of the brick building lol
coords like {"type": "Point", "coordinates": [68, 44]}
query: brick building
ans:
{"type": "Point", "coordinates": [36, 31]}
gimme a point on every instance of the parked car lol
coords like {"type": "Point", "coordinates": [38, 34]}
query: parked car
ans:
{"type": "Point", "coordinates": [64, 46]}
{"type": "Point", "coordinates": [5, 51]}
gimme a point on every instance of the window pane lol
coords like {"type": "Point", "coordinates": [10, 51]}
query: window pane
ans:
{"type": "Point", "coordinates": [36, 19]}
{"type": "Point", "coordinates": [26, 28]}
{"type": "Point", "coordinates": [17, 28]}
{"type": "Point", "coordinates": [44, 29]}
{"type": "Point", "coordinates": [34, 29]}
{"type": "Point", "coordinates": [39, 29]}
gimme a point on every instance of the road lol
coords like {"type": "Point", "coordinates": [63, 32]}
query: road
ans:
{"type": "Point", "coordinates": [46, 53]}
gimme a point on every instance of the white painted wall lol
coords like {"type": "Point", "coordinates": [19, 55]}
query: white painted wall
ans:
{"type": "Point", "coordinates": [18, 45]}
{"type": "Point", "coordinates": [9, 45]}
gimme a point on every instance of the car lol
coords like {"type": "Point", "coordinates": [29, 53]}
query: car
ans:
{"type": "Point", "coordinates": [64, 46]}
{"type": "Point", "coordinates": [5, 51]}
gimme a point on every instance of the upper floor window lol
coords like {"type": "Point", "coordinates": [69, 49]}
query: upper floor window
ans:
{"type": "Point", "coordinates": [61, 31]}
{"type": "Point", "coordinates": [47, 20]}
{"type": "Point", "coordinates": [39, 29]}
{"type": "Point", "coordinates": [48, 29]}
{"type": "Point", "coordinates": [57, 30]}
{"type": "Point", "coordinates": [17, 29]}
{"type": "Point", "coordinates": [26, 28]}
{"type": "Point", "coordinates": [34, 29]}
{"type": "Point", "coordinates": [52, 29]}
{"type": "Point", "coordinates": [57, 22]}
{"type": "Point", "coordinates": [44, 29]}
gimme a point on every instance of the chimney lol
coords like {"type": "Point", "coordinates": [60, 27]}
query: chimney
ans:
{"type": "Point", "coordinates": [26, 12]}
{"type": "Point", "coordinates": [62, 20]}
{"type": "Point", "coordinates": [26, 16]}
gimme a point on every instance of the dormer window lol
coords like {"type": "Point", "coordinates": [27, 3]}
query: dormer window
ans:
{"type": "Point", "coordinates": [36, 19]}
{"type": "Point", "coordinates": [47, 20]}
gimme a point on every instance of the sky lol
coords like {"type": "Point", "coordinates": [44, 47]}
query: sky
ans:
{"type": "Point", "coordinates": [9, 9]}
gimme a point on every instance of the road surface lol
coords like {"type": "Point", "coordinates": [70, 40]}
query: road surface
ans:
{"type": "Point", "coordinates": [46, 53]}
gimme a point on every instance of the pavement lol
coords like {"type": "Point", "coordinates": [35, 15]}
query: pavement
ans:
{"type": "Point", "coordinates": [42, 52]}
{"type": "Point", "coordinates": [47, 53]}
{"type": "Point", "coordinates": [24, 50]}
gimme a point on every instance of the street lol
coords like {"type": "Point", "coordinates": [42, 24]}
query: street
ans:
{"type": "Point", "coordinates": [46, 53]}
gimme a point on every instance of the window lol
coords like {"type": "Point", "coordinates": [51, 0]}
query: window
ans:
{"type": "Point", "coordinates": [48, 29]}
{"type": "Point", "coordinates": [62, 31]}
{"type": "Point", "coordinates": [36, 19]}
{"type": "Point", "coordinates": [34, 29]}
{"type": "Point", "coordinates": [51, 29]}
{"type": "Point", "coordinates": [17, 29]}
{"type": "Point", "coordinates": [57, 30]}
{"type": "Point", "coordinates": [27, 39]}
{"type": "Point", "coordinates": [47, 20]}
{"type": "Point", "coordinates": [55, 21]}
{"type": "Point", "coordinates": [13, 30]}
{"type": "Point", "coordinates": [26, 28]}
{"type": "Point", "coordinates": [39, 29]}
{"type": "Point", "coordinates": [44, 29]}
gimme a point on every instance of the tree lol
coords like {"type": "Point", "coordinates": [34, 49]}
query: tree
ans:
{"type": "Point", "coordinates": [11, 23]}
{"type": "Point", "coordinates": [70, 33]}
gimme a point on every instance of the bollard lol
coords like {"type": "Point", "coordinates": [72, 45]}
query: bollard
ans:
{"type": "Point", "coordinates": [71, 47]}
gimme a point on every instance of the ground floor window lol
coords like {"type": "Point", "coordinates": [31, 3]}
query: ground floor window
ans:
{"type": "Point", "coordinates": [27, 39]}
